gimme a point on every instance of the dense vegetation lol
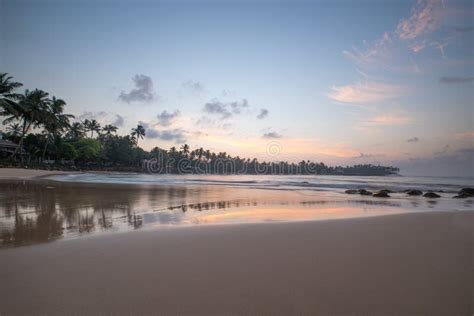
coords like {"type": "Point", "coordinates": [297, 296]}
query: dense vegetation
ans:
{"type": "Point", "coordinates": [48, 137]}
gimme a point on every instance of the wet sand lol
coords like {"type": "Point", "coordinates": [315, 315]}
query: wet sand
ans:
{"type": "Point", "coordinates": [20, 173]}
{"type": "Point", "coordinates": [408, 264]}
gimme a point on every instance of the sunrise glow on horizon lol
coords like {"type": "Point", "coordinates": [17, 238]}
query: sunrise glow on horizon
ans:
{"type": "Point", "coordinates": [338, 82]}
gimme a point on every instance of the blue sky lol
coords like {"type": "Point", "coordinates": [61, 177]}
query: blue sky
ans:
{"type": "Point", "coordinates": [338, 81]}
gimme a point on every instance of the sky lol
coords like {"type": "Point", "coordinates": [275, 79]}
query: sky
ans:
{"type": "Point", "coordinates": [343, 82]}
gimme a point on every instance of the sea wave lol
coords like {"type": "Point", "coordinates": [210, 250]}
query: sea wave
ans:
{"type": "Point", "coordinates": [313, 182]}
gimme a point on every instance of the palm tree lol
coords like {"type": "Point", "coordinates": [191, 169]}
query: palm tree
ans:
{"type": "Point", "coordinates": [14, 130]}
{"type": "Point", "coordinates": [55, 121]}
{"type": "Point", "coordinates": [137, 133]}
{"type": "Point", "coordinates": [92, 126]}
{"type": "Point", "coordinates": [109, 129]}
{"type": "Point", "coordinates": [7, 97]}
{"type": "Point", "coordinates": [200, 153]}
{"type": "Point", "coordinates": [31, 108]}
{"type": "Point", "coordinates": [76, 131]}
{"type": "Point", "coordinates": [185, 149]}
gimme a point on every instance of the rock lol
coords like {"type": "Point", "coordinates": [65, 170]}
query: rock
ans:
{"type": "Point", "coordinates": [431, 195]}
{"type": "Point", "coordinates": [361, 192]}
{"type": "Point", "coordinates": [352, 191]}
{"type": "Point", "coordinates": [467, 191]}
{"type": "Point", "coordinates": [382, 194]}
{"type": "Point", "coordinates": [414, 192]}
{"type": "Point", "coordinates": [386, 191]}
{"type": "Point", "coordinates": [462, 196]}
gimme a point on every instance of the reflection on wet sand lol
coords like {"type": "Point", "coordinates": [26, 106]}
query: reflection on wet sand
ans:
{"type": "Point", "coordinates": [41, 211]}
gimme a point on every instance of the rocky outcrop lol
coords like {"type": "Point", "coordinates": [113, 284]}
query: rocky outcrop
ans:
{"type": "Point", "coordinates": [414, 192]}
{"type": "Point", "coordinates": [382, 194]}
{"type": "Point", "coordinates": [431, 195]}
{"type": "Point", "coordinates": [465, 193]}
{"type": "Point", "coordinates": [360, 191]}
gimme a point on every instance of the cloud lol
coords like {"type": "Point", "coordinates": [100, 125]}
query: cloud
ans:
{"type": "Point", "coordinates": [263, 114]}
{"type": "Point", "coordinates": [375, 52]}
{"type": "Point", "coordinates": [418, 46]}
{"type": "Point", "coordinates": [464, 135]}
{"type": "Point", "coordinates": [367, 156]}
{"type": "Point", "coordinates": [413, 140]}
{"type": "Point", "coordinates": [390, 119]}
{"type": "Point", "coordinates": [143, 91]}
{"type": "Point", "coordinates": [225, 109]}
{"type": "Point", "coordinates": [272, 135]}
{"type": "Point", "coordinates": [119, 121]}
{"type": "Point", "coordinates": [457, 163]}
{"type": "Point", "coordinates": [191, 87]}
{"type": "Point", "coordinates": [460, 29]}
{"type": "Point", "coordinates": [166, 118]}
{"type": "Point", "coordinates": [177, 135]}
{"type": "Point", "coordinates": [456, 80]}
{"type": "Point", "coordinates": [425, 18]}
{"type": "Point", "coordinates": [102, 117]}
{"type": "Point", "coordinates": [443, 151]}
{"type": "Point", "coordinates": [366, 92]}
{"type": "Point", "coordinates": [87, 115]}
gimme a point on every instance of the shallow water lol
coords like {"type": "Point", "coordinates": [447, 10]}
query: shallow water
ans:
{"type": "Point", "coordinates": [50, 209]}
{"type": "Point", "coordinates": [285, 182]}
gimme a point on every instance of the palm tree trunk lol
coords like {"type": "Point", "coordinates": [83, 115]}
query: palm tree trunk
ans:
{"type": "Point", "coordinates": [44, 149]}
{"type": "Point", "coordinates": [25, 130]}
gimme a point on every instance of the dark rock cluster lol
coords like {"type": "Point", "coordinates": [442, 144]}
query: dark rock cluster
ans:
{"type": "Point", "coordinates": [465, 193]}
{"type": "Point", "coordinates": [462, 194]}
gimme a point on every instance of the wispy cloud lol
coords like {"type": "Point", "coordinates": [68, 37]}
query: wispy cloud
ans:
{"type": "Point", "coordinates": [102, 117]}
{"type": "Point", "coordinates": [225, 109]}
{"type": "Point", "coordinates": [263, 114]}
{"type": "Point", "coordinates": [176, 135]}
{"type": "Point", "coordinates": [464, 135]}
{"type": "Point", "coordinates": [272, 135]}
{"type": "Point", "coordinates": [442, 151]}
{"type": "Point", "coordinates": [391, 119]}
{"type": "Point", "coordinates": [463, 29]}
{"type": "Point", "coordinates": [425, 17]}
{"type": "Point", "coordinates": [143, 91]}
{"type": "Point", "coordinates": [166, 118]}
{"type": "Point", "coordinates": [119, 121]}
{"type": "Point", "coordinates": [456, 80]}
{"type": "Point", "coordinates": [366, 92]}
{"type": "Point", "coordinates": [367, 156]}
{"type": "Point", "coordinates": [191, 87]}
{"type": "Point", "coordinates": [413, 140]}
{"type": "Point", "coordinates": [376, 52]}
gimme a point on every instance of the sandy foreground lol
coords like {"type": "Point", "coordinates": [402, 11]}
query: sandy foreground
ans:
{"type": "Point", "coordinates": [20, 173]}
{"type": "Point", "coordinates": [411, 264]}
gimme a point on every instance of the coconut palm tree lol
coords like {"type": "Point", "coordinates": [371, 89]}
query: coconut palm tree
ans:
{"type": "Point", "coordinates": [137, 133]}
{"type": "Point", "coordinates": [76, 131]}
{"type": "Point", "coordinates": [185, 149]}
{"type": "Point", "coordinates": [92, 126]}
{"type": "Point", "coordinates": [55, 121]}
{"type": "Point", "coordinates": [30, 110]}
{"type": "Point", "coordinates": [14, 130]}
{"type": "Point", "coordinates": [109, 129]}
{"type": "Point", "coordinates": [7, 97]}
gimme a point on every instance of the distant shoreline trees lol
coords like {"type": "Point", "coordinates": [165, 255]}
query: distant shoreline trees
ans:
{"type": "Point", "coordinates": [43, 133]}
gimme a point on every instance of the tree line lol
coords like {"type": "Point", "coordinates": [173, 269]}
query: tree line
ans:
{"type": "Point", "coordinates": [44, 133]}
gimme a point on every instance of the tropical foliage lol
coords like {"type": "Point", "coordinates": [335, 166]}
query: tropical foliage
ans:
{"type": "Point", "coordinates": [46, 136]}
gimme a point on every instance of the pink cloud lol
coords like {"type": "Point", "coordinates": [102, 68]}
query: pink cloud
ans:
{"type": "Point", "coordinates": [366, 92]}
{"type": "Point", "coordinates": [464, 135]}
{"type": "Point", "coordinates": [425, 17]}
{"type": "Point", "coordinates": [390, 119]}
{"type": "Point", "coordinates": [375, 52]}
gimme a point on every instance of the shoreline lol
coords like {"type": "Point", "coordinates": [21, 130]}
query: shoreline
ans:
{"type": "Point", "coordinates": [372, 266]}
{"type": "Point", "coordinates": [29, 174]}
